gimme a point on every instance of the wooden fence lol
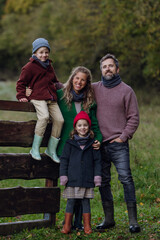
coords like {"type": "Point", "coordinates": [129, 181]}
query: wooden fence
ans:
{"type": "Point", "coordinates": [18, 200]}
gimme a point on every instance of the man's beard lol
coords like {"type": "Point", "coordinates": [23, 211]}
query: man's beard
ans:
{"type": "Point", "coordinates": [109, 77]}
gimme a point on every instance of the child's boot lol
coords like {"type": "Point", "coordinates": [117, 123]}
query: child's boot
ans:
{"type": "Point", "coordinates": [51, 149]}
{"type": "Point", "coordinates": [87, 223]}
{"type": "Point", "coordinates": [67, 225]}
{"type": "Point", "coordinates": [35, 147]}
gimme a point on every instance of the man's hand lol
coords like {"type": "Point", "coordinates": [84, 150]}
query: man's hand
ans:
{"type": "Point", "coordinates": [116, 140]}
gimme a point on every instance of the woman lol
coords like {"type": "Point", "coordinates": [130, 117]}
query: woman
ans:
{"type": "Point", "coordinates": [77, 95]}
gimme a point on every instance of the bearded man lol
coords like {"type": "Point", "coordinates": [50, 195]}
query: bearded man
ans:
{"type": "Point", "coordinates": [118, 117]}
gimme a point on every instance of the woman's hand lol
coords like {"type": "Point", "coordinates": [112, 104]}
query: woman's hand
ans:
{"type": "Point", "coordinates": [96, 145]}
{"type": "Point", "coordinates": [28, 91]}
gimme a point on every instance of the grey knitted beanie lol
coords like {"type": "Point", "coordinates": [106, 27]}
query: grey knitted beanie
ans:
{"type": "Point", "coordinates": [40, 42]}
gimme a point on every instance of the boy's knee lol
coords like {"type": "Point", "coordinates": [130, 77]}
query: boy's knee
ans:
{"type": "Point", "coordinates": [44, 118]}
{"type": "Point", "coordinates": [59, 122]}
{"type": "Point", "coordinates": [62, 121]}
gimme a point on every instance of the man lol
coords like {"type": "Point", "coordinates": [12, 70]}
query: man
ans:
{"type": "Point", "coordinates": [118, 117]}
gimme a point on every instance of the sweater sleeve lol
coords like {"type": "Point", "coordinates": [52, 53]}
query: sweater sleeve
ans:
{"type": "Point", "coordinates": [22, 83]}
{"type": "Point", "coordinates": [58, 85]}
{"type": "Point", "coordinates": [132, 116]}
{"type": "Point", "coordinates": [94, 121]}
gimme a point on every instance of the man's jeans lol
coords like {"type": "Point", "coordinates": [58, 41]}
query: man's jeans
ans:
{"type": "Point", "coordinates": [118, 154]}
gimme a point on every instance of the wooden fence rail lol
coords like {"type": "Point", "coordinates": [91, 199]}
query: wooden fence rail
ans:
{"type": "Point", "coordinates": [19, 200]}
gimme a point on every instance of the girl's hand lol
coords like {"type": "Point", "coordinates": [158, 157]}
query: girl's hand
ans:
{"type": "Point", "coordinates": [63, 180]}
{"type": "Point", "coordinates": [23, 100]}
{"type": "Point", "coordinates": [96, 145]}
{"type": "Point", "coordinates": [28, 91]}
{"type": "Point", "coordinates": [97, 181]}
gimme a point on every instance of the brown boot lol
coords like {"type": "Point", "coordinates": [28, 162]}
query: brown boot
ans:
{"type": "Point", "coordinates": [67, 225]}
{"type": "Point", "coordinates": [87, 223]}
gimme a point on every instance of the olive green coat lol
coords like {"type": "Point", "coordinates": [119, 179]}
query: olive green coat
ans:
{"type": "Point", "coordinates": [69, 115]}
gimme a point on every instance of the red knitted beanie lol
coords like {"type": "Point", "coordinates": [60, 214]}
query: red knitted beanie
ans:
{"type": "Point", "coordinates": [81, 115]}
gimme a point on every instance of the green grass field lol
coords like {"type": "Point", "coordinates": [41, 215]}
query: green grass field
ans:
{"type": "Point", "coordinates": [145, 165]}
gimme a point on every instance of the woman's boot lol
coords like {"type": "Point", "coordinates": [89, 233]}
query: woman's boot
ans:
{"type": "Point", "coordinates": [67, 225]}
{"type": "Point", "coordinates": [35, 147]}
{"type": "Point", "coordinates": [87, 223]}
{"type": "Point", "coordinates": [132, 214]}
{"type": "Point", "coordinates": [51, 149]}
{"type": "Point", "coordinates": [108, 222]}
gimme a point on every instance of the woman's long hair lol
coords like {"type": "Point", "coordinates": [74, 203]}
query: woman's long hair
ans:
{"type": "Point", "coordinates": [88, 90]}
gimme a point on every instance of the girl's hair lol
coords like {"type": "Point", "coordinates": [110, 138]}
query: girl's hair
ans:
{"type": "Point", "coordinates": [88, 90]}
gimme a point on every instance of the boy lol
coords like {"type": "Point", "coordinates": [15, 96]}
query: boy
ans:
{"type": "Point", "coordinates": [38, 75]}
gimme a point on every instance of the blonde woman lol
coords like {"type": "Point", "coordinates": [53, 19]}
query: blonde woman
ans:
{"type": "Point", "coordinates": [77, 95]}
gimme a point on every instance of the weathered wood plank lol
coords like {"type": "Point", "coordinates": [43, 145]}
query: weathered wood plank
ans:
{"type": "Point", "coordinates": [19, 201]}
{"type": "Point", "coordinates": [20, 134]}
{"type": "Point", "coordinates": [22, 166]}
{"type": "Point", "coordinates": [15, 227]}
{"type": "Point", "coordinates": [50, 183]}
{"type": "Point", "coordinates": [16, 106]}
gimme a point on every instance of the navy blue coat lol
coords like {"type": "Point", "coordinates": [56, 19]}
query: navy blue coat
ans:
{"type": "Point", "coordinates": [80, 165]}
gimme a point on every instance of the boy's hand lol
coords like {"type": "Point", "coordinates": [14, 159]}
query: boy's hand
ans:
{"type": "Point", "coordinates": [23, 100]}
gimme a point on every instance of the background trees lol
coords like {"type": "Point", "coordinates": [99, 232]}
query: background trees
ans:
{"type": "Point", "coordinates": [81, 32]}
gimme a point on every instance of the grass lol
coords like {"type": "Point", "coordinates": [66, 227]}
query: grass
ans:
{"type": "Point", "coordinates": [145, 165]}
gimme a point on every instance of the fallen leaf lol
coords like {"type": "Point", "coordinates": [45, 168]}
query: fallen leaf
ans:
{"type": "Point", "coordinates": [30, 235]}
{"type": "Point", "coordinates": [142, 195]}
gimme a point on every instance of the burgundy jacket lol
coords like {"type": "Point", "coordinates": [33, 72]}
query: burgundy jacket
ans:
{"type": "Point", "coordinates": [41, 80]}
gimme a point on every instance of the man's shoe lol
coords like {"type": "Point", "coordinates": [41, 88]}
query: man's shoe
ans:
{"type": "Point", "coordinates": [134, 228]}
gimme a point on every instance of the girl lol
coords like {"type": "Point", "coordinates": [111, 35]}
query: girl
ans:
{"type": "Point", "coordinates": [80, 170]}
{"type": "Point", "coordinates": [39, 76]}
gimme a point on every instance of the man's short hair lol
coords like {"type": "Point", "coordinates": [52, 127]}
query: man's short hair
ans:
{"type": "Point", "coordinates": [109, 56]}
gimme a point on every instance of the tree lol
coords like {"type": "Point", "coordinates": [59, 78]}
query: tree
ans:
{"type": "Point", "coordinates": [81, 32]}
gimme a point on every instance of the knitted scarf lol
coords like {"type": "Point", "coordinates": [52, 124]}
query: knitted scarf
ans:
{"type": "Point", "coordinates": [77, 97]}
{"type": "Point", "coordinates": [81, 140]}
{"type": "Point", "coordinates": [112, 82]}
{"type": "Point", "coordinates": [44, 64]}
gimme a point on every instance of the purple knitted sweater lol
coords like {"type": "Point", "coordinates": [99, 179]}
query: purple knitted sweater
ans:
{"type": "Point", "coordinates": [117, 111]}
